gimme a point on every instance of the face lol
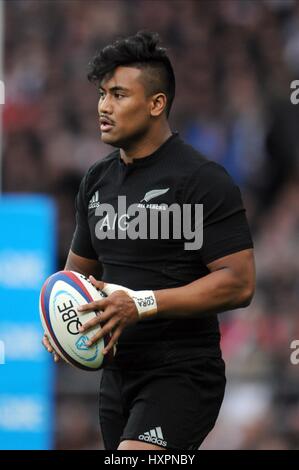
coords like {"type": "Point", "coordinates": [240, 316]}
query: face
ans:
{"type": "Point", "coordinates": [124, 109]}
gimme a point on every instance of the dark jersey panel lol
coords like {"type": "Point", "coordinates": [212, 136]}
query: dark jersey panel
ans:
{"type": "Point", "coordinates": [225, 225]}
{"type": "Point", "coordinates": [174, 175]}
{"type": "Point", "coordinates": [82, 244]}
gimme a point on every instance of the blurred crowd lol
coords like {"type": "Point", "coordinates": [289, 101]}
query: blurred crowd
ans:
{"type": "Point", "coordinates": [234, 62]}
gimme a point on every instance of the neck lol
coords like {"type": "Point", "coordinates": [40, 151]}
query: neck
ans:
{"type": "Point", "coordinates": [147, 145]}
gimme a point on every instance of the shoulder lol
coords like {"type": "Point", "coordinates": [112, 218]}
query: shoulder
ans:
{"type": "Point", "coordinates": [99, 167]}
{"type": "Point", "coordinates": [199, 166]}
{"type": "Point", "coordinates": [214, 173]}
{"type": "Point", "coordinates": [191, 159]}
{"type": "Point", "coordinates": [211, 180]}
{"type": "Point", "coordinates": [94, 173]}
{"type": "Point", "coordinates": [207, 180]}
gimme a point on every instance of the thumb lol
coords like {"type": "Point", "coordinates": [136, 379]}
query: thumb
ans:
{"type": "Point", "coordinates": [97, 284]}
{"type": "Point", "coordinates": [110, 288]}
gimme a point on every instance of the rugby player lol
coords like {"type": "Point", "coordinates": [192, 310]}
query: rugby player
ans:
{"type": "Point", "coordinates": [165, 385]}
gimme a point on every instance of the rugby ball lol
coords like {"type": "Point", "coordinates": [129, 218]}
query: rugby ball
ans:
{"type": "Point", "coordinates": [60, 296]}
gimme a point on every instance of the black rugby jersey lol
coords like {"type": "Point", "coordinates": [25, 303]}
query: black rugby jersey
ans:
{"type": "Point", "coordinates": [174, 174]}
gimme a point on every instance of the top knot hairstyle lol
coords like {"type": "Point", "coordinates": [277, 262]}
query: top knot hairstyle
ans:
{"type": "Point", "coordinates": [143, 52]}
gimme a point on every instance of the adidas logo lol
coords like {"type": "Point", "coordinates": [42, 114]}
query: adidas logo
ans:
{"type": "Point", "coordinates": [154, 436]}
{"type": "Point", "coordinates": [94, 201]}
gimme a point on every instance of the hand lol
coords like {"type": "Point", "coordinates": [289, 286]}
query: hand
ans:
{"type": "Point", "coordinates": [117, 311]}
{"type": "Point", "coordinates": [47, 345]}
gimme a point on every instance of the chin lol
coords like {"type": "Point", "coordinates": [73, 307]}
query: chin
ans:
{"type": "Point", "coordinates": [107, 138]}
{"type": "Point", "coordinates": [124, 141]}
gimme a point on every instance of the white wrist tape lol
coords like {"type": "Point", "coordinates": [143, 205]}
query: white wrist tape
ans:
{"type": "Point", "coordinates": [144, 300]}
{"type": "Point", "coordinates": [110, 288]}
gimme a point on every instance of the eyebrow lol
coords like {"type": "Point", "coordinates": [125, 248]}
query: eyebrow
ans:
{"type": "Point", "coordinates": [115, 88]}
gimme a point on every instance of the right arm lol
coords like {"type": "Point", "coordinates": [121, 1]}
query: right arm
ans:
{"type": "Point", "coordinates": [83, 265]}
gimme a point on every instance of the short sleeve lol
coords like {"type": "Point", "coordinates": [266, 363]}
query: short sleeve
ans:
{"type": "Point", "coordinates": [81, 244]}
{"type": "Point", "coordinates": [225, 226]}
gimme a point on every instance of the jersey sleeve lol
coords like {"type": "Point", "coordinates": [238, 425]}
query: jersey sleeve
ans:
{"type": "Point", "coordinates": [225, 226]}
{"type": "Point", "coordinates": [81, 244]}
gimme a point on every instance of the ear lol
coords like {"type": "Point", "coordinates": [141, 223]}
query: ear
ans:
{"type": "Point", "coordinates": [158, 104]}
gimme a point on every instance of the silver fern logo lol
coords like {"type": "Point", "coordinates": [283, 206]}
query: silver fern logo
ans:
{"type": "Point", "coordinates": [153, 194]}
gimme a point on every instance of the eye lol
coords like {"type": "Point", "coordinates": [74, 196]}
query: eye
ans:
{"type": "Point", "coordinates": [101, 94]}
{"type": "Point", "coordinates": [118, 95]}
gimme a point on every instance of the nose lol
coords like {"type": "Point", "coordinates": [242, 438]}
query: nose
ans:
{"type": "Point", "coordinates": [105, 105]}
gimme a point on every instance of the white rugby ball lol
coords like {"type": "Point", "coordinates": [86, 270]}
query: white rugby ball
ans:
{"type": "Point", "coordinates": [60, 296]}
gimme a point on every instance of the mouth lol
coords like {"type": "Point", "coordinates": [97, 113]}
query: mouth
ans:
{"type": "Point", "coordinates": [106, 125]}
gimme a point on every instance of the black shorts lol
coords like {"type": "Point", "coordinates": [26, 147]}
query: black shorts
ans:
{"type": "Point", "coordinates": [173, 406]}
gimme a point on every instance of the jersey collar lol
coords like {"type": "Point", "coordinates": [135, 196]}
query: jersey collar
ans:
{"type": "Point", "coordinates": [149, 159]}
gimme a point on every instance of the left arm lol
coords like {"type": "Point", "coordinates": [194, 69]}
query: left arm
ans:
{"type": "Point", "coordinates": [229, 285]}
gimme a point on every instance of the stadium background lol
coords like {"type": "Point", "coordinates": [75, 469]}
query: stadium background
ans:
{"type": "Point", "coordinates": [234, 62]}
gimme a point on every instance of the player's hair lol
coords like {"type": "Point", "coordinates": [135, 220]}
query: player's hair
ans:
{"type": "Point", "coordinates": [143, 52]}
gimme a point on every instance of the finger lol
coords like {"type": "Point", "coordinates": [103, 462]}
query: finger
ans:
{"type": "Point", "coordinates": [90, 324]}
{"type": "Point", "coordinates": [45, 340]}
{"type": "Point", "coordinates": [93, 306]}
{"type": "Point", "coordinates": [97, 284]}
{"type": "Point", "coordinates": [56, 357]}
{"type": "Point", "coordinates": [105, 315]}
{"type": "Point", "coordinates": [46, 343]}
{"type": "Point", "coordinates": [113, 341]}
{"type": "Point", "coordinates": [101, 318]}
{"type": "Point", "coordinates": [103, 332]}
